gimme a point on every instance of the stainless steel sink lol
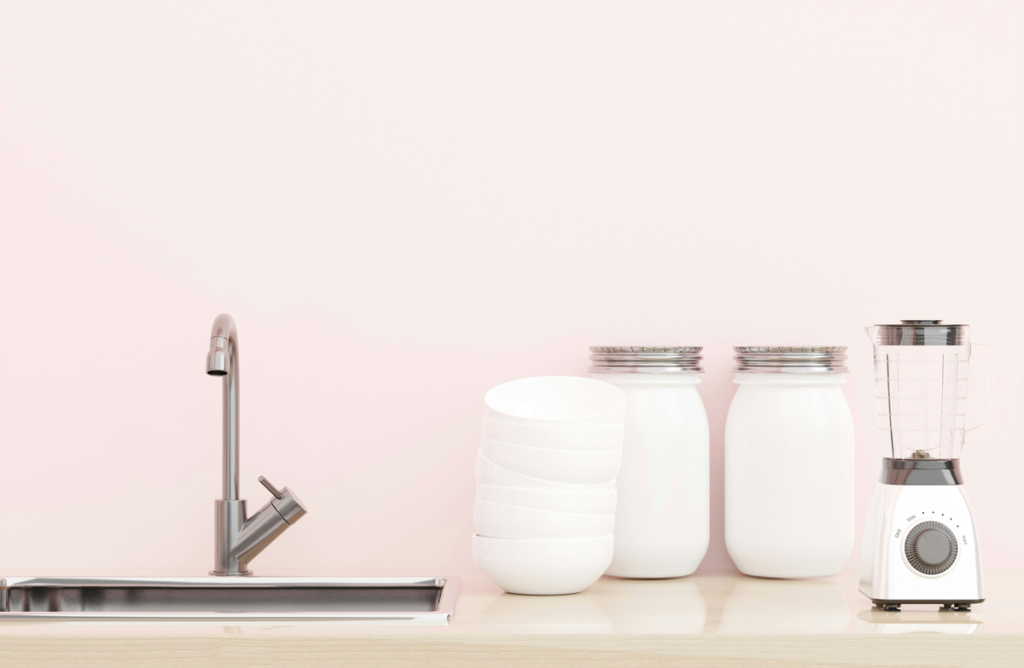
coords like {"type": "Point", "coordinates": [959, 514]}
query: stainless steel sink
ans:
{"type": "Point", "coordinates": [423, 600]}
{"type": "Point", "coordinates": [233, 594]}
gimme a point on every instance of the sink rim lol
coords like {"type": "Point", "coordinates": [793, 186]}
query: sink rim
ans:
{"type": "Point", "coordinates": [449, 587]}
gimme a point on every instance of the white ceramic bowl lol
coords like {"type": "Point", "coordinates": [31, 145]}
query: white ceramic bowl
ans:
{"type": "Point", "coordinates": [496, 520]}
{"type": "Point", "coordinates": [587, 502]}
{"type": "Point", "coordinates": [543, 567]}
{"type": "Point", "coordinates": [489, 473]}
{"type": "Point", "coordinates": [559, 437]}
{"type": "Point", "coordinates": [575, 467]}
{"type": "Point", "coordinates": [560, 400]}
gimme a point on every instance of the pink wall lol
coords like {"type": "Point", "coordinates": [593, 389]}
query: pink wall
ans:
{"type": "Point", "coordinates": [403, 204]}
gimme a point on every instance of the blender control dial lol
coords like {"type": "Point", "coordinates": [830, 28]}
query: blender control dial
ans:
{"type": "Point", "coordinates": [931, 548]}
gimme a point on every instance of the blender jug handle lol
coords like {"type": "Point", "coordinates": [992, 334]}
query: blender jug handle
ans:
{"type": "Point", "coordinates": [995, 399]}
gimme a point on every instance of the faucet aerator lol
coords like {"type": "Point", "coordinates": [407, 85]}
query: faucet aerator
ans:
{"type": "Point", "coordinates": [217, 362]}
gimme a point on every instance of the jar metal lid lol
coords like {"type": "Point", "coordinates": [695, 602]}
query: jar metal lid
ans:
{"type": "Point", "coordinates": [646, 359]}
{"type": "Point", "coordinates": [791, 359]}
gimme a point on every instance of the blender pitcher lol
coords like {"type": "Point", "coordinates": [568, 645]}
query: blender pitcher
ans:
{"type": "Point", "coordinates": [921, 371]}
{"type": "Point", "coordinates": [920, 545]}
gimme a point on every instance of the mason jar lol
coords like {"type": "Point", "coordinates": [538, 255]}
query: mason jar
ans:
{"type": "Point", "coordinates": [662, 517]}
{"type": "Point", "coordinates": [789, 496]}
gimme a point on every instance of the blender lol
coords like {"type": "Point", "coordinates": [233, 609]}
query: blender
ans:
{"type": "Point", "coordinates": [920, 545]}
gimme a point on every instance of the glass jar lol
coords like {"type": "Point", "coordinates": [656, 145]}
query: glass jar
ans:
{"type": "Point", "coordinates": [662, 516]}
{"type": "Point", "coordinates": [789, 495]}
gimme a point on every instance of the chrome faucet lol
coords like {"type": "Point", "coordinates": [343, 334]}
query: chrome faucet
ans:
{"type": "Point", "coordinates": [240, 538]}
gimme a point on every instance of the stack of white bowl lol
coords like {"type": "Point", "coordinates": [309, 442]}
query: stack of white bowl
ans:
{"type": "Point", "coordinates": [545, 494]}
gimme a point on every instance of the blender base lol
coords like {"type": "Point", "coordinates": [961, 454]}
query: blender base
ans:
{"type": "Point", "coordinates": [892, 571]}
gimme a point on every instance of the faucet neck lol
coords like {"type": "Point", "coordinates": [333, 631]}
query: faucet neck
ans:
{"type": "Point", "coordinates": [224, 337]}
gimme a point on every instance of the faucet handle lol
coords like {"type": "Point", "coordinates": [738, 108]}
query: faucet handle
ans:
{"type": "Point", "coordinates": [287, 505]}
{"type": "Point", "coordinates": [270, 488]}
{"type": "Point", "coordinates": [267, 524]}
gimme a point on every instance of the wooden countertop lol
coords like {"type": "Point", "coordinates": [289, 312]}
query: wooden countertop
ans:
{"type": "Point", "coordinates": [713, 618]}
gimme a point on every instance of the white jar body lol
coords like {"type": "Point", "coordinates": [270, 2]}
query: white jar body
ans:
{"type": "Point", "coordinates": [789, 496]}
{"type": "Point", "coordinates": [662, 516]}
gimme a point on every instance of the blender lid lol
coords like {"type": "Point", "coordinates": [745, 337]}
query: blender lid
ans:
{"type": "Point", "coordinates": [920, 333]}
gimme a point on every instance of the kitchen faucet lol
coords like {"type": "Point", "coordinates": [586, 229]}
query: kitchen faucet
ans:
{"type": "Point", "coordinates": [239, 538]}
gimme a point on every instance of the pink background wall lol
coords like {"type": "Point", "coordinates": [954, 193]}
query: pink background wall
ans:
{"type": "Point", "coordinates": [403, 204]}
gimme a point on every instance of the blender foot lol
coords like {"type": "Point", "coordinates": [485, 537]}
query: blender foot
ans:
{"type": "Point", "coordinates": [890, 607]}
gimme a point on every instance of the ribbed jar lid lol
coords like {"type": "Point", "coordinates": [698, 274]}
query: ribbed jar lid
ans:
{"type": "Point", "coordinates": [646, 359]}
{"type": "Point", "coordinates": [791, 359]}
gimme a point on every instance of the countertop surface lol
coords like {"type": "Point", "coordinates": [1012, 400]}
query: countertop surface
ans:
{"type": "Point", "coordinates": [712, 618]}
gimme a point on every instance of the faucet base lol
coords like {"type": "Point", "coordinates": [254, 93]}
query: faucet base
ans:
{"type": "Point", "coordinates": [229, 518]}
{"type": "Point", "coordinates": [232, 575]}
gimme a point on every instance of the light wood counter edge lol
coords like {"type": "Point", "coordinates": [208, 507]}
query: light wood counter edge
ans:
{"type": "Point", "coordinates": [144, 651]}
